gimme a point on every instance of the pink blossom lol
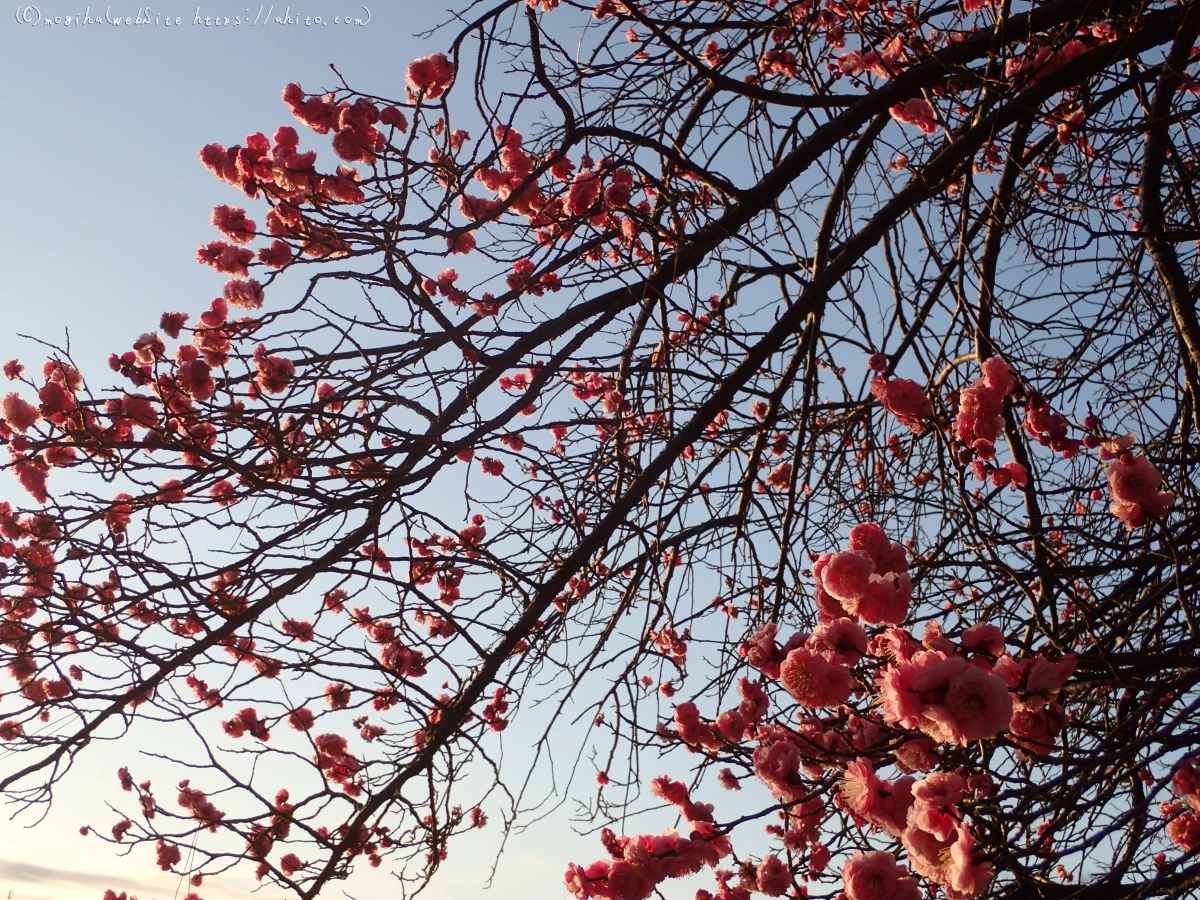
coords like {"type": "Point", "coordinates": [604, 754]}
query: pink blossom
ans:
{"type": "Point", "coordinates": [935, 800]}
{"type": "Point", "coordinates": [31, 473]}
{"type": "Point", "coordinates": [476, 207]}
{"type": "Point", "coordinates": [818, 859]}
{"type": "Point", "coordinates": [1036, 724]}
{"type": "Point", "coordinates": [244, 294]}
{"type": "Point", "coordinates": [879, 803]}
{"type": "Point", "coordinates": [431, 75]}
{"type": "Point", "coordinates": [870, 539]}
{"type": "Point", "coordinates": [223, 493]}
{"type": "Point", "coordinates": [917, 755]}
{"type": "Point", "coordinates": [780, 477]}
{"type": "Point", "coordinates": [779, 62]}
{"type": "Point", "coordinates": [762, 651]}
{"type": "Point", "coordinates": [274, 372]}
{"type": "Point", "coordinates": [731, 725]}
{"type": "Point", "coordinates": [980, 705]}
{"type": "Point", "coordinates": [225, 258]}
{"type": "Point", "coordinates": [18, 414]}
{"type": "Point", "coordinates": [926, 854]}
{"type": "Point", "coordinates": [1183, 828]}
{"type": "Point", "coordinates": [828, 608]}
{"type": "Point", "coordinates": [617, 195]}
{"type": "Point", "coordinates": [875, 876]}
{"type": "Point", "coordinates": [777, 764]}
{"type": "Point", "coordinates": [946, 697]}
{"type": "Point", "coordinates": [754, 703]}
{"type": "Point", "coordinates": [846, 575]}
{"type": "Point", "coordinates": [964, 878]}
{"type": "Point", "coordinates": [998, 375]}
{"type": "Point", "coordinates": [194, 377]}
{"type": "Point", "coordinates": [688, 723]}
{"type": "Point", "coordinates": [1135, 484]}
{"type": "Point", "coordinates": [841, 641]}
{"type": "Point", "coordinates": [136, 408]}
{"type": "Point", "coordinates": [896, 644]}
{"type": "Point", "coordinates": [905, 400]}
{"type": "Point", "coordinates": [1049, 427]}
{"type": "Point", "coordinates": [980, 408]}
{"type": "Point", "coordinates": [1041, 674]}
{"type": "Point", "coordinates": [881, 64]}
{"type": "Point", "coordinates": [582, 194]}
{"type": "Point", "coordinates": [773, 877]}
{"type": "Point", "coordinates": [984, 638]}
{"type": "Point", "coordinates": [232, 222]}
{"type": "Point", "coordinates": [462, 243]}
{"type": "Point", "coordinates": [916, 112]}
{"type": "Point", "coordinates": [627, 883]}
{"type": "Point", "coordinates": [1185, 783]}
{"type": "Point", "coordinates": [813, 681]}
{"type": "Point", "coordinates": [887, 600]}
{"type": "Point", "coordinates": [1114, 447]}
{"type": "Point", "coordinates": [337, 695]}
{"type": "Point", "coordinates": [167, 855]}
{"type": "Point", "coordinates": [393, 117]}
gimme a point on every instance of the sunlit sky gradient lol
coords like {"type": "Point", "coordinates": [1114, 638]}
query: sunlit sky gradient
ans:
{"type": "Point", "coordinates": [104, 202]}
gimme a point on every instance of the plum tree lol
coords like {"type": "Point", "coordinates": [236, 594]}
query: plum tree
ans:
{"type": "Point", "coordinates": [797, 398]}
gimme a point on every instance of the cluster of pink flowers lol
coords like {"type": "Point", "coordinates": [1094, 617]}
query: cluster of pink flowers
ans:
{"type": "Point", "coordinates": [980, 422]}
{"type": "Point", "coordinates": [57, 406]}
{"type": "Point", "coordinates": [940, 690]}
{"type": "Point", "coordinates": [1135, 483]}
{"type": "Point", "coordinates": [881, 63]}
{"type": "Point", "coordinates": [980, 418]}
{"type": "Point", "coordinates": [944, 696]}
{"type": "Point", "coordinates": [19, 414]}
{"type": "Point", "coordinates": [730, 727]}
{"type": "Point", "coordinates": [335, 759]}
{"type": "Point", "coordinates": [916, 111]}
{"type": "Point", "coordinates": [357, 138]}
{"type": "Point", "coordinates": [231, 221]}
{"type": "Point", "coordinates": [877, 802]}
{"type": "Point", "coordinates": [1039, 61]}
{"type": "Point", "coordinates": [201, 808]}
{"type": "Point", "coordinates": [587, 195]}
{"type": "Point", "coordinates": [1049, 428]}
{"type": "Point", "coordinates": [904, 399]}
{"type": "Point", "coordinates": [869, 580]}
{"type": "Point", "coordinates": [778, 61]}
{"type": "Point", "coordinates": [430, 76]}
{"type": "Point", "coordinates": [962, 693]}
{"type": "Point", "coordinates": [1183, 815]}
{"type": "Point", "coordinates": [583, 193]}
{"type": "Point", "coordinates": [247, 721]}
{"type": "Point", "coordinates": [925, 816]}
{"type": "Point", "coordinates": [875, 876]}
{"type": "Point", "coordinates": [819, 678]}
{"type": "Point", "coordinates": [950, 862]}
{"type": "Point", "coordinates": [639, 864]}
{"type": "Point", "coordinates": [275, 373]}
{"type": "Point", "coordinates": [290, 178]}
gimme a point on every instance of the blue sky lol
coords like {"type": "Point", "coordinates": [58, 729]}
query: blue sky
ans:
{"type": "Point", "coordinates": [104, 203]}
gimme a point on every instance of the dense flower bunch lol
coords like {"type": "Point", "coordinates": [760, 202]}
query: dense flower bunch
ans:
{"type": "Point", "coordinates": [911, 700]}
{"type": "Point", "coordinates": [1135, 483]}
